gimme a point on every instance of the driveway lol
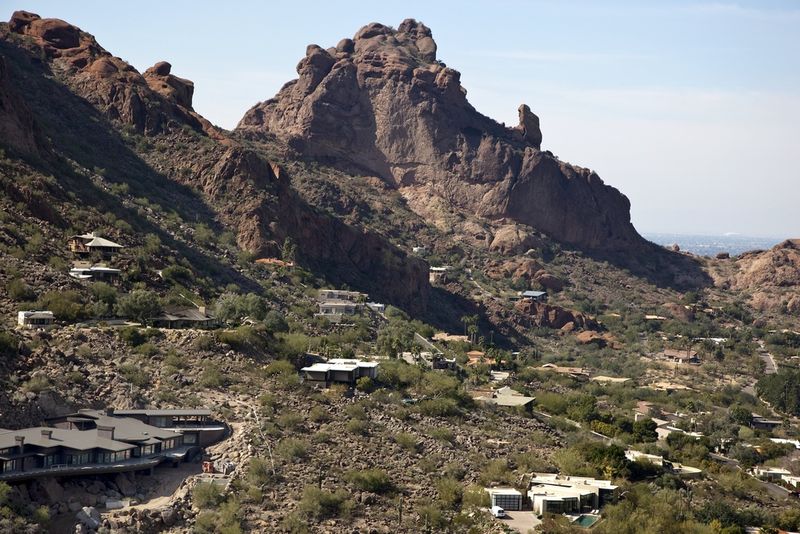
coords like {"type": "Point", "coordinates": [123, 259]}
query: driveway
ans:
{"type": "Point", "coordinates": [522, 522]}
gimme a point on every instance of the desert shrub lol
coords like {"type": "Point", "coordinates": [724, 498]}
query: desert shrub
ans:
{"type": "Point", "coordinates": [290, 420]}
{"type": "Point", "coordinates": [441, 434]}
{"type": "Point", "coordinates": [147, 349]}
{"type": "Point", "coordinates": [496, 471]}
{"type": "Point", "coordinates": [372, 480]}
{"type": "Point", "coordinates": [132, 336]}
{"type": "Point", "coordinates": [19, 291]}
{"type": "Point", "coordinates": [134, 374]}
{"type": "Point", "coordinates": [294, 524]}
{"type": "Point", "coordinates": [431, 516]}
{"type": "Point", "coordinates": [65, 305]}
{"type": "Point", "coordinates": [242, 338]}
{"type": "Point", "coordinates": [207, 495]}
{"type": "Point", "coordinates": [292, 449]}
{"type": "Point", "coordinates": [204, 342]}
{"type": "Point", "coordinates": [321, 504]}
{"type": "Point", "coordinates": [441, 407]}
{"type": "Point", "coordinates": [318, 414]}
{"type": "Point", "coordinates": [279, 367]}
{"type": "Point", "coordinates": [104, 292]}
{"type": "Point", "coordinates": [259, 471]}
{"type": "Point", "coordinates": [36, 384]}
{"type": "Point", "coordinates": [358, 427]}
{"type": "Point", "coordinates": [406, 441]}
{"type": "Point", "coordinates": [450, 492]}
{"type": "Point", "coordinates": [212, 377]}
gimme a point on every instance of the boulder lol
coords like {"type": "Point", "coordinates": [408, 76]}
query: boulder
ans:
{"type": "Point", "coordinates": [124, 484]}
{"type": "Point", "coordinates": [89, 516]}
{"type": "Point", "coordinates": [529, 126]}
{"type": "Point", "coordinates": [21, 20]}
{"type": "Point", "coordinates": [55, 32]}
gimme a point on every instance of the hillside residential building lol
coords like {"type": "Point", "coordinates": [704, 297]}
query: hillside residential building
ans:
{"type": "Point", "coordinates": [84, 270]}
{"type": "Point", "coordinates": [574, 372]}
{"type": "Point", "coordinates": [338, 371]}
{"type": "Point", "coordinates": [196, 425]}
{"type": "Point", "coordinates": [508, 499]}
{"type": "Point", "coordinates": [680, 356]}
{"type": "Point", "coordinates": [506, 397]}
{"type": "Point", "coordinates": [91, 242]}
{"type": "Point", "coordinates": [436, 273]}
{"type": "Point", "coordinates": [340, 294]}
{"type": "Point", "coordinates": [35, 319]}
{"type": "Point", "coordinates": [89, 442]}
{"type": "Point", "coordinates": [335, 310]}
{"type": "Point", "coordinates": [680, 470]}
{"type": "Point", "coordinates": [188, 317]}
{"type": "Point", "coordinates": [559, 494]}
{"type": "Point", "coordinates": [770, 474]}
{"type": "Point", "coordinates": [535, 296]}
{"type": "Point", "coordinates": [764, 423]}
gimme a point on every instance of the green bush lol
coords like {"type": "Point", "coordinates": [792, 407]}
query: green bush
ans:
{"type": "Point", "coordinates": [292, 449]}
{"type": "Point", "coordinates": [134, 374]}
{"type": "Point", "coordinates": [212, 377]}
{"type": "Point", "coordinates": [321, 504]}
{"type": "Point", "coordinates": [406, 441]}
{"type": "Point", "coordinates": [19, 291]}
{"type": "Point", "coordinates": [206, 495]}
{"type": "Point", "coordinates": [372, 480]}
{"type": "Point", "coordinates": [441, 407]}
{"type": "Point", "coordinates": [450, 492]}
{"type": "Point", "coordinates": [37, 384]}
{"type": "Point", "coordinates": [139, 305]}
{"type": "Point", "coordinates": [65, 305]}
{"type": "Point", "coordinates": [358, 427]}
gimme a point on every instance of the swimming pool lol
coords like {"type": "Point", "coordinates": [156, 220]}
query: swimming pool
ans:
{"type": "Point", "coordinates": [586, 520]}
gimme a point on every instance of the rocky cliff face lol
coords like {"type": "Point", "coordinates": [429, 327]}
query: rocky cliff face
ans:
{"type": "Point", "coordinates": [772, 277]}
{"type": "Point", "coordinates": [247, 193]}
{"type": "Point", "coordinates": [382, 103]}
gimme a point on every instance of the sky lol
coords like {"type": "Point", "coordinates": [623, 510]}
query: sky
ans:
{"type": "Point", "coordinates": [690, 108]}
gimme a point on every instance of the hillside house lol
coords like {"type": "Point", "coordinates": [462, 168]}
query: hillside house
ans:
{"type": "Point", "coordinates": [35, 319]}
{"type": "Point", "coordinates": [508, 499]}
{"type": "Point", "coordinates": [84, 270]}
{"type": "Point", "coordinates": [196, 425]}
{"type": "Point", "coordinates": [188, 317]}
{"type": "Point", "coordinates": [341, 295]}
{"type": "Point", "coordinates": [338, 371]}
{"type": "Point", "coordinates": [377, 307]}
{"type": "Point", "coordinates": [679, 470]}
{"type": "Point", "coordinates": [558, 494]}
{"type": "Point", "coordinates": [435, 274]}
{"type": "Point", "coordinates": [535, 296]}
{"type": "Point", "coordinates": [91, 242]}
{"type": "Point", "coordinates": [336, 310]}
{"type": "Point", "coordinates": [88, 442]}
{"type": "Point", "coordinates": [506, 397]}
{"type": "Point", "coordinates": [770, 474]}
{"type": "Point", "coordinates": [574, 372]}
{"type": "Point", "coordinates": [680, 356]}
{"type": "Point", "coordinates": [759, 422]}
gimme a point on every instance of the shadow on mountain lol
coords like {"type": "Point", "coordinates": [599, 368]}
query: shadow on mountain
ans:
{"type": "Point", "coordinates": [659, 266]}
{"type": "Point", "coordinates": [75, 135]}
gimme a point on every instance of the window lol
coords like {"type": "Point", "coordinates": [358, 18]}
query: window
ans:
{"type": "Point", "coordinates": [189, 439]}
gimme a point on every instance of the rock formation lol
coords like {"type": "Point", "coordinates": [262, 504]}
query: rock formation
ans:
{"type": "Point", "coordinates": [771, 276]}
{"type": "Point", "coordinates": [381, 103]}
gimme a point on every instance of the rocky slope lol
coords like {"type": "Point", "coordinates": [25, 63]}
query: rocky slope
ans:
{"type": "Point", "coordinates": [196, 166]}
{"type": "Point", "coordinates": [770, 277]}
{"type": "Point", "coordinates": [381, 103]}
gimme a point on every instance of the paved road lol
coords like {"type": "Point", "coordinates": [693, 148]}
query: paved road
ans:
{"type": "Point", "coordinates": [778, 492]}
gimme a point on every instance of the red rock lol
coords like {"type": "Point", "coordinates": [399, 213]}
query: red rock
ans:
{"type": "Point", "coordinates": [55, 32]}
{"type": "Point", "coordinates": [387, 106]}
{"type": "Point", "coordinates": [20, 20]}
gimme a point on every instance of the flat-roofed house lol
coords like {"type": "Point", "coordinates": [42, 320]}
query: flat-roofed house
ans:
{"type": "Point", "coordinates": [90, 442]}
{"type": "Point", "coordinates": [535, 296]}
{"type": "Point", "coordinates": [335, 310]}
{"type": "Point", "coordinates": [341, 294]}
{"type": "Point", "coordinates": [338, 371]}
{"type": "Point", "coordinates": [508, 499]}
{"type": "Point", "coordinates": [188, 317]}
{"type": "Point", "coordinates": [680, 356]}
{"type": "Point", "coordinates": [35, 319]}
{"type": "Point", "coordinates": [196, 425]}
{"type": "Point", "coordinates": [91, 242]}
{"type": "Point", "coordinates": [770, 474]}
{"type": "Point", "coordinates": [507, 398]}
{"type": "Point", "coordinates": [558, 494]}
{"type": "Point", "coordinates": [84, 270]}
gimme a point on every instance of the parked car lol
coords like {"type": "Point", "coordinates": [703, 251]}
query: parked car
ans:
{"type": "Point", "coordinates": [498, 512]}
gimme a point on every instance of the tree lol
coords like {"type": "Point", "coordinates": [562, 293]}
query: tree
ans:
{"type": "Point", "coordinates": [139, 304]}
{"type": "Point", "coordinates": [644, 430]}
{"type": "Point", "coordinates": [740, 415]}
{"type": "Point", "coordinates": [289, 250]}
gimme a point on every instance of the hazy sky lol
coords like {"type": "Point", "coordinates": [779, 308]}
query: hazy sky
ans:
{"type": "Point", "coordinates": [692, 109]}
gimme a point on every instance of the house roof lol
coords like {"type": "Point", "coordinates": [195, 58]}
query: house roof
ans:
{"type": "Point", "coordinates": [533, 294]}
{"type": "Point", "coordinates": [682, 354]}
{"type": "Point", "coordinates": [183, 314]}
{"type": "Point", "coordinates": [42, 314]}
{"type": "Point", "coordinates": [93, 240]}
{"type": "Point", "coordinates": [166, 412]}
{"type": "Point", "coordinates": [338, 364]}
{"type": "Point", "coordinates": [127, 428]}
{"type": "Point", "coordinates": [81, 440]}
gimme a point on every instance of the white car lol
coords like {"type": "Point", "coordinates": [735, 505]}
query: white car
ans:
{"type": "Point", "coordinates": [498, 512]}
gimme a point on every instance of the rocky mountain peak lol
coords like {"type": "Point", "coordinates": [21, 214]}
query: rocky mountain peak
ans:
{"type": "Point", "coordinates": [382, 104]}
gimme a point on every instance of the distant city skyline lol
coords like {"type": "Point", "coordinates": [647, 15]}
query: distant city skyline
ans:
{"type": "Point", "coordinates": [691, 109]}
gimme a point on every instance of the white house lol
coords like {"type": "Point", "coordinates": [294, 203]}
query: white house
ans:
{"type": "Point", "coordinates": [557, 494]}
{"type": "Point", "coordinates": [505, 498]}
{"type": "Point", "coordinates": [338, 371]}
{"type": "Point", "coordinates": [35, 319]}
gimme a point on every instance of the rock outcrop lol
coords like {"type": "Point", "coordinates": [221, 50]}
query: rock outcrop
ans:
{"type": "Point", "coordinates": [16, 121]}
{"type": "Point", "coordinates": [382, 103]}
{"type": "Point", "coordinates": [772, 277]}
